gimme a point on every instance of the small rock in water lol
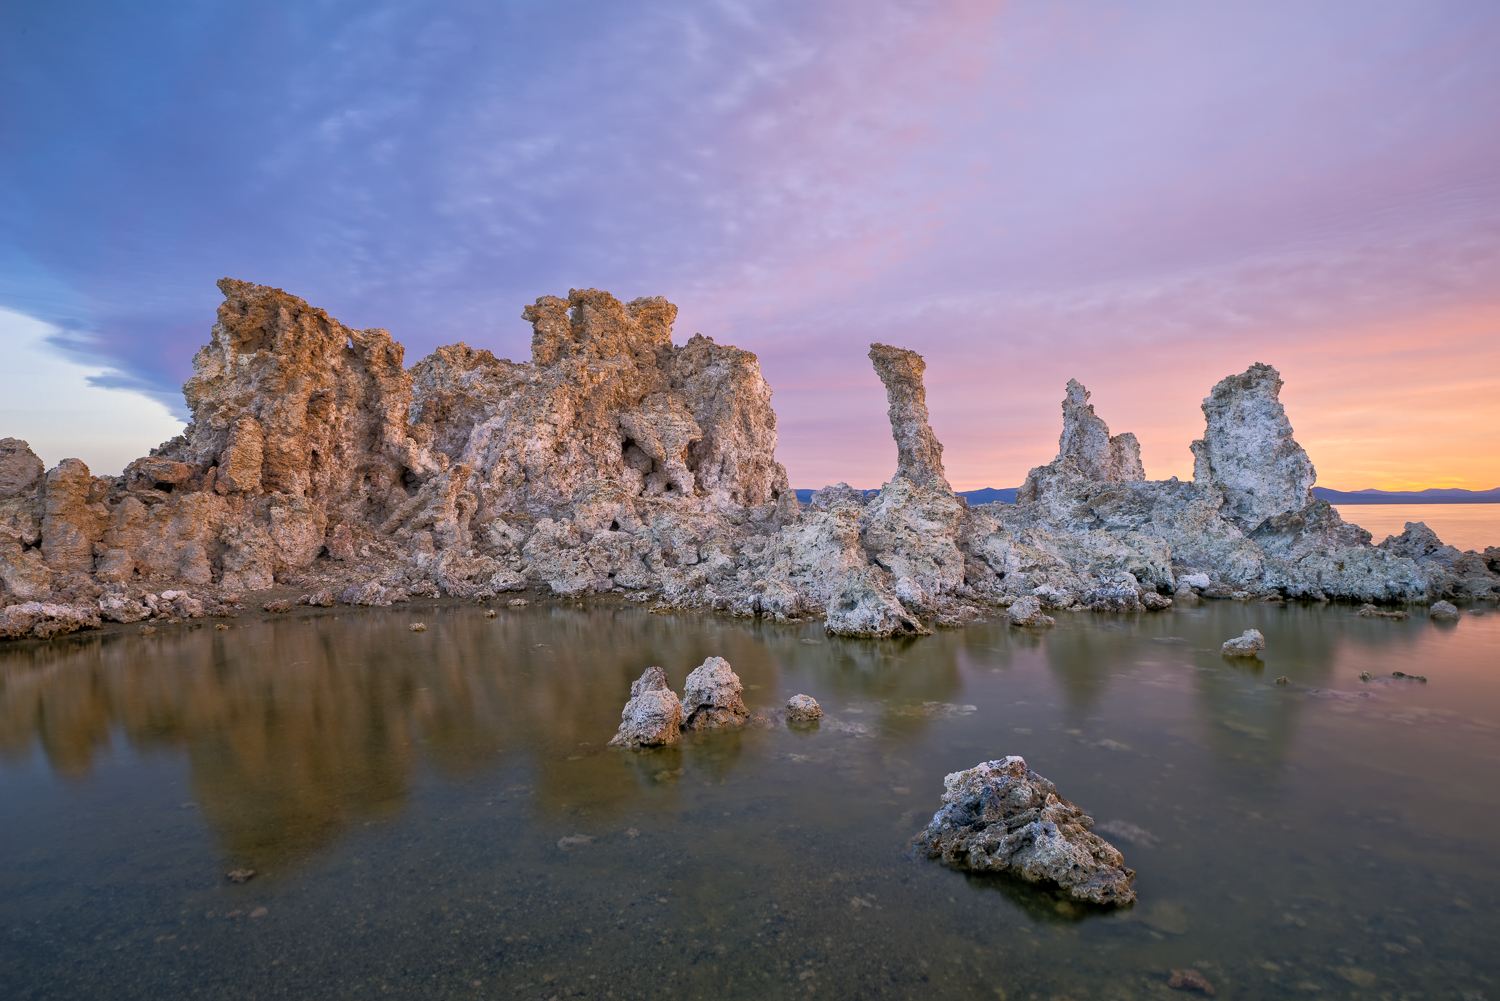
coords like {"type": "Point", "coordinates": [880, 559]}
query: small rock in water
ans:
{"type": "Point", "coordinates": [518, 602]}
{"type": "Point", "coordinates": [1190, 980]}
{"type": "Point", "coordinates": [574, 841]}
{"type": "Point", "coordinates": [1001, 816]}
{"type": "Point", "coordinates": [1410, 677]}
{"type": "Point", "coordinates": [711, 698]}
{"type": "Point", "coordinates": [1027, 611]}
{"type": "Point", "coordinates": [418, 627]}
{"type": "Point", "coordinates": [1246, 644]}
{"type": "Point", "coordinates": [240, 875]}
{"type": "Point", "coordinates": [147, 630]}
{"type": "Point", "coordinates": [259, 912]}
{"type": "Point", "coordinates": [803, 709]}
{"type": "Point", "coordinates": [279, 605]}
{"type": "Point", "coordinates": [220, 625]}
{"type": "Point", "coordinates": [1443, 611]}
{"type": "Point", "coordinates": [1283, 680]}
{"type": "Point", "coordinates": [653, 716]}
{"type": "Point", "coordinates": [490, 613]}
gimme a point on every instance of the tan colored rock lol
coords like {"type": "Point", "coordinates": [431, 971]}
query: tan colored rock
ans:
{"type": "Point", "coordinates": [43, 620]}
{"type": "Point", "coordinates": [711, 698]}
{"type": "Point", "coordinates": [20, 469]}
{"type": "Point", "coordinates": [71, 524]}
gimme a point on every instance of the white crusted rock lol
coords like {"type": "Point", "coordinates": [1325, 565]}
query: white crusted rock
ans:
{"type": "Point", "coordinates": [1247, 644]}
{"type": "Point", "coordinates": [1247, 450]}
{"type": "Point", "coordinates": [653, 716]}
{"type": "Point", "coordinates": [1001, 816]}
{"type": "Point", "coordinates": [803, 709]}
{"type": "Point", "coordinates": [711, 698]}
{"type": "Point", "coordinates": [1027, 611]}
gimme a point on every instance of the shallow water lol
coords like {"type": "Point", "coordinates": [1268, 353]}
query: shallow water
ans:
{"type": "Point", "coordinates": [1467, 526]}
{"type": "Point", "coordinates": [408, 799]}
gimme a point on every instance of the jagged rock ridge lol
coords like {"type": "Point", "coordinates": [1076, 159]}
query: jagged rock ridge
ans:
{"type": "Point", "coordinates": [615, 460]}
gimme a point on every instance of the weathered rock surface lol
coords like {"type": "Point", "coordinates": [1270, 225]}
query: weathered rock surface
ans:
{"type": "Point", "coordinates": [1027, 611]}
{"type": "Point", "coordinates": [711, 698]}
{"type": "Point", "coordinates": [1443, 611]}
{"type": "Point", "coordinates": [617, 461]}
{"type": "Point", "coordinates": [43, 620]}
{"type": "Point", "coordinates": [653, 716]}
{"type": "Point", "coordinates": [1001, 816]}
{"type": "Point", "coordinates": [1248, 451]}
{"type": "Point", "coordinates": [1246, 644]}
{"type": "Point", "coordinates": [803, 709]}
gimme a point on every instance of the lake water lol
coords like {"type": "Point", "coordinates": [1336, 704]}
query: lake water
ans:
{"type": "Point", "coordinates": [436, 814]}
{"type": "Point", "coordinates": [1467, 526]}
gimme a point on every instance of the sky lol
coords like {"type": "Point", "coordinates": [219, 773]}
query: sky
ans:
{"type": "Point", "coordinates": [1145, 196]}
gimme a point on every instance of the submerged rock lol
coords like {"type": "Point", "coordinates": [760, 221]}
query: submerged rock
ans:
{"type": "Point", "coordinates": [1000, 816]}
{"type": "Point", "coordinates": [803, 709]}
{"type": "Point", "coordinates": [711, 698]}
{"type": "Point", "coordinates": [653, 716]}
{"type": "Point", "coordinates": [1246, 644]}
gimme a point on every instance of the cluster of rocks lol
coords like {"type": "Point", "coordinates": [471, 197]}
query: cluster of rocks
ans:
{"type": "Point", "coordinates": [712, 699]}
{"type": "Point", "coordinates": [1002, 817]}
{"type": "Point", "coordinates": [617, 461]}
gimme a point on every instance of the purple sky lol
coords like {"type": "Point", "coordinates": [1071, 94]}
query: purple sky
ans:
{"type": "Point", "coordinates": [1145, 196]}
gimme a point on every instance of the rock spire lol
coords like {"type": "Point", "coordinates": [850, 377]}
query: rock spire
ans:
{"type": "Point", "coordinates": [919, 455]}
{"type": "Point", "coordinates": [1247, 449]}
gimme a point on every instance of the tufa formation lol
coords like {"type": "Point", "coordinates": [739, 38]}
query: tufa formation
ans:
{"type": "Point", "coordinates": [617, 461]}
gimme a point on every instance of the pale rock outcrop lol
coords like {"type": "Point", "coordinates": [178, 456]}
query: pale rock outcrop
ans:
{"type": "Point", "coordinates": [919, 455]}
{"type": "Point", "coordinates": [1443, 611]}
{"type": "Point", "coordinates": [615, 460]}
{"type": "Point", "coordinates": [653, 716]}
{"type": "Point", "coordinates": [1248, 452]}
{"type": "Point", "coordinates": [836, 496]}
{"type": "Point", "coordinates": [20, 469]}
{"type": "Point", "coordinates": [1247, 644]}
{"type": "Point", "coordinates": [803, 709]}
{"type": "Point", "coordinates": [711, 698]}
{"type": "Point", "coordinates": [43, 620]}
{"type": "Point", "coordinates": [1027, 611]}
{"type": "Point", "coordinates": [1000, 816]}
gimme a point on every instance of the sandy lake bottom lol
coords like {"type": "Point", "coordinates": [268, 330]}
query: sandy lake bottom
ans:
{"type": "Point", "coordinates": [436, 814]}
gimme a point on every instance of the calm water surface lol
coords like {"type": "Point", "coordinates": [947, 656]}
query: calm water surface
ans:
{"type": "Point", "coordinates": [1467, 526]}
{"type": "Point", "coordinates": [436, 814]}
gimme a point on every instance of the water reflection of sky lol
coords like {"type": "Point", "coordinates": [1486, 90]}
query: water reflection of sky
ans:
{"type": "Point", "coordinates": [297, 743]}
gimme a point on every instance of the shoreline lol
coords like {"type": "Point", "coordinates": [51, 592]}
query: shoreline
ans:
{"type": "Point", "coordinates": [618, 461]}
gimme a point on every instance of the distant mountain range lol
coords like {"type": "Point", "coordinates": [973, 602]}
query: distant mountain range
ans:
{"type": "Point", "coordinates": [1432, 495]}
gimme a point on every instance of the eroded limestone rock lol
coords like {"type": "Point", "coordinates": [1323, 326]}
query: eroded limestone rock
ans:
{"type": "Point", "coordinates": [711, 697]}
{"type": "Point", "coordinates": [1443, 611]}
{"type": "Point", "coordinates": [803, 709]}
{"type": "Point", "coordinates": [1248, 452]}
{"type": "Point", "coordinates": [653, 716]}
{"type": "Point", "coordinates": [1000, 816]}
{"type": "Point", "coordinates": [919, 455]}
{"type": "Point", "coordinates": [1247, 644]}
